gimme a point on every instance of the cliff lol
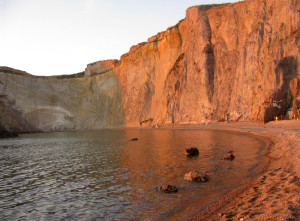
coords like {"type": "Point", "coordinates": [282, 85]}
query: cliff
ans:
{"type": "Point", "coordinates": [60, 102]}
{"type": "Point", "coordinates": [237, 61]}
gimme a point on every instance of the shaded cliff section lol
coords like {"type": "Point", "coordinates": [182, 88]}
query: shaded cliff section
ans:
{"type": "Point", "coordinates": [29, 103]}
{"type": "Point", "coordinates": [223, 62]}
{"type": "Point", "coordinates": [11, 120]}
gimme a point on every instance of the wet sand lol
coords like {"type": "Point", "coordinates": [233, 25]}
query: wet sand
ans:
{"type": "Point", "coordinates": [275, 193]}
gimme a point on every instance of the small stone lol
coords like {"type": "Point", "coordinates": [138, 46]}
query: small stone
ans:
{"type": "Point", "coordinates": [134, 139]}
{"type": "Point", "coordinates": [168, 188]}
{"type": "Point", "coordinates": [229, 156]}
{"type": "Point", "coordinates": [193, 151]}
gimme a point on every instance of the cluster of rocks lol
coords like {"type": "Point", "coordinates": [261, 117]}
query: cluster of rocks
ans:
{"type": "Point", "coordinates": [194, 175]}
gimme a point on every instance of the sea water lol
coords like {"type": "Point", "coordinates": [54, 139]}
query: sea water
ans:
{"type": "Point", "coordinates": [102, 175]}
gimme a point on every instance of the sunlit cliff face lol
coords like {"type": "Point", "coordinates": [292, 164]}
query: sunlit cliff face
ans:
{"type": "Point", "coordinates": [223, 62]}
{"type": "Point", "coordinates": [228, 62]}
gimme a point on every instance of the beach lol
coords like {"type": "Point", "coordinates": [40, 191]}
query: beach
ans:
{"type": "Point", "coordinates": [271, 193]}
{"type": "Point", "coordinates": [274, 193]}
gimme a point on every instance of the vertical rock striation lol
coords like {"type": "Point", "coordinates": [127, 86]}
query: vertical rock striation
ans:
{"type": "Point", "coordinates": [222, 62]}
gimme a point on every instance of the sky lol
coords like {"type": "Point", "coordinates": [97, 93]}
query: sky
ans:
{"type": "Point", "coordinates": [53, 37]}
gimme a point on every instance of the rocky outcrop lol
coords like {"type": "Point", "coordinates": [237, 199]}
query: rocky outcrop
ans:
{"type": "Point", "coordinates": [100, 67]}
{"type": "Point", "coordinates": [226, 62]}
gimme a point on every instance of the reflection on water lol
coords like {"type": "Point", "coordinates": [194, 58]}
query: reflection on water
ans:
{"type": "Point", "coordinates": [103, 175]}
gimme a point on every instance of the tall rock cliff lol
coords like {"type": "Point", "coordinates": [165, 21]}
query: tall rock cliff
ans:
{"type": "Point", "coordinates": [237, 61]}
{"type": "Point", "coordinates": [231, 61]}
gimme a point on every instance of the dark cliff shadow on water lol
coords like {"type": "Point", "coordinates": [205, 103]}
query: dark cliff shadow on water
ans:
{"type": "Point", "coordinates": [283, 99]}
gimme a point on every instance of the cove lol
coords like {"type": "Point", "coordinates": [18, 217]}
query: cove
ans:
{"type": "Point", "coordinates": [103, 175]}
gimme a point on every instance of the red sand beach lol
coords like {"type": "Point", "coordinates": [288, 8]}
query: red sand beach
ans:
{"type": "Point", "coordinates": [275, 193]}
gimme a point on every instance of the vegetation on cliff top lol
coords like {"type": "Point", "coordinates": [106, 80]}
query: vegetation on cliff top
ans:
{"type": "Point", "coordinates": [68, 76]}
{"type": "Point", "coordinates": [9, 70]}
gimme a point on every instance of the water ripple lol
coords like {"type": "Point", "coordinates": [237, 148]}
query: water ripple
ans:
{"type": "Point", "coordinates": [100, 175]}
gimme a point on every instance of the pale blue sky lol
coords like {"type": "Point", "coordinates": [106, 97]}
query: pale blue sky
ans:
{"type": "Point", "coordinates": [51, 37]}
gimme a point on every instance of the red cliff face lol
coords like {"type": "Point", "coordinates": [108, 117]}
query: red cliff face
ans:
{"type": "Point", "coordinates": [143, 73]}
{"type": "Point", "coordinates": [236, 61]}
{"type": "Point", "coordinates": [222, 62]}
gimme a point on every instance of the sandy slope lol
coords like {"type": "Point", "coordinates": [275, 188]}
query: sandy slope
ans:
{"type": "Point", "coordinates": [275, 193]}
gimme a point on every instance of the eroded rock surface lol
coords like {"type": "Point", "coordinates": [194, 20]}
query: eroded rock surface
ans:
{"type": "Point", "coordinates": [237, 61]}
{"type": "Point", "coordinates": [55, 104]}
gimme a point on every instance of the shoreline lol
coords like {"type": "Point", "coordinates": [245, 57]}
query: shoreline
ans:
{"type": "Point", "coordinates": [274, 193]}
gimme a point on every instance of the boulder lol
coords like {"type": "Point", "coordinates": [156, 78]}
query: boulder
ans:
{"type": "Point", "coordinates": [168, 188]}
{"type": "Point", "coordinates": [193, 151]}
{"type": "Point", "coordinates": [196, 176]}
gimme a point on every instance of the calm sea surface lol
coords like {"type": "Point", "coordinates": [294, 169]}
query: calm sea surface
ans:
{"type": "Point", "coordinates": [100, 175]}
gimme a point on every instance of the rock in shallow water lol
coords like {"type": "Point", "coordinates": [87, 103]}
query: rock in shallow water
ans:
{"type": "Point", "coordinates": [193, 151]}
{"type": "Point", "coordinates": [168, 188]}
{"type": "Point", "coordinates": [134, 139]}
{"type": "Point", "coordinates": [196, 176]}
{"type": "Point", "coordinates": [229, 156]}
